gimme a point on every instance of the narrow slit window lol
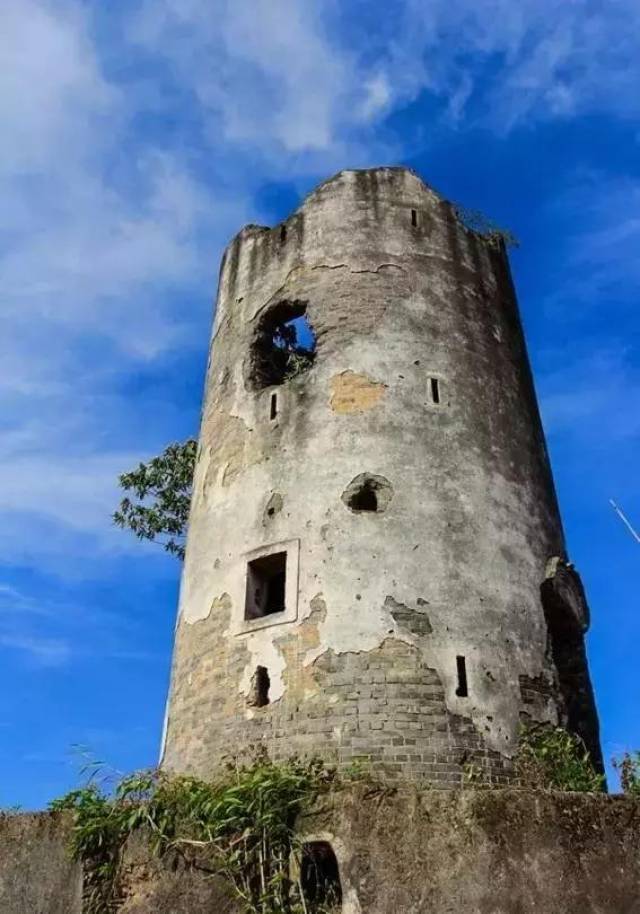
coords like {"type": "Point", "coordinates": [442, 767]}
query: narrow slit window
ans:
{"type": "Point", "coordinates": [283, 234]}
{"type": "Point", "coordinates": [435, 391]}
{"type": "Point", "coordinates": [463, 690]}
{"type": "Point", "coordinates": [414, 217]}
{"type": "Point", "coordinates": [273, 408]}
{"type": "Point", "coordinates": [266, 586]}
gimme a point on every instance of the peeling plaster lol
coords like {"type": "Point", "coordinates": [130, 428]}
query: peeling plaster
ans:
{"type": "Point", "coordinates": [352, 392]}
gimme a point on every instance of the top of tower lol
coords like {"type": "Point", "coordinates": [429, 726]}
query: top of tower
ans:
{"type": "Point", "coordinates": [366, 182]}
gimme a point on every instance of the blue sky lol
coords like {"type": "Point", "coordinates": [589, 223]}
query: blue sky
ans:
{"type": "Point", "coordinates": [138, 137]}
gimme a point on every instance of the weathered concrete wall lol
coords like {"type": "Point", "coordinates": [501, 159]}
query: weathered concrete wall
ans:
{"type": "Point", "coordinates": [37, 875]}
{"type": "Point", "coordinates": [486, 852]}
{"type": "Point", "coordinates": [435, 852]}
{"type": "Point", "coordinates": [363, 661]}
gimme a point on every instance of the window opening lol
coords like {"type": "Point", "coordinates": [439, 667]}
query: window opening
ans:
{"type": "Point", "coordinates": [283, 234]}
{"type": "Point", "coordinates": [284, 345]}
{"type": "Point", "coordinates": [260, 684]}
{"type": "Point", "coordinates": [414, 217]}
{"type": "Point", "coordinates": [435, 390]}
{"type": "Point", "coordinates": [368, 493]}
{"type": "Point", "coordinates": [320, 877]}
{"type": "Point", "coordinates": [273, 409]}
{"type": "Point", "coordinates": [266, 586]}
{"type": "Point", "coordinates": [462, 691]}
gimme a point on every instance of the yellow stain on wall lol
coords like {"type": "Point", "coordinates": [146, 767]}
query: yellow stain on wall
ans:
{"type": "Point", "coordinates": [354, 393]}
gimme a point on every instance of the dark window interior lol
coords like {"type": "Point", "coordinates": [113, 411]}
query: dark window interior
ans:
{"type": "Point", "coordinates": [435, 390]}
{"type": "Point", "coordinates": [462, 691]}
{"type": "Point", "coordinates": [266, 583]}
{"type": "Point", "coordinates": [260, 684]}
{"type": "Point", "coordinates": [273, 411]}
{"type": "Point", "coordinates": [320, 877]}
{"type": "Point", "coordinates": [414, 217]}
{"type": "Point", "coordinates": [365, 499]}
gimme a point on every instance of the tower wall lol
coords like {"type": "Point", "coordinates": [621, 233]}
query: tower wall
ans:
{"type": "Point", "coordinates": [388, 611]}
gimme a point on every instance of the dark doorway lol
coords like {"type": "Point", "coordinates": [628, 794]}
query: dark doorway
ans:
{"type": "Point", "coordinates": [320, 877]}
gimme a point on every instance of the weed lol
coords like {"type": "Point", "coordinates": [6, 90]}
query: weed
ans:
{"type": "Point", "coordinates": [551, 758]}
{"type": "Point", "coordinates": [628, 767]}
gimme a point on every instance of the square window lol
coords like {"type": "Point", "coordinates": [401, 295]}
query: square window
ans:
{"type": "Point", "coordinates": [266, 586]}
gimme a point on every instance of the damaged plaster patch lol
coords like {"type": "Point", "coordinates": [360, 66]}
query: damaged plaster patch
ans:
{"type": "Point", "coordinates": [264, 653]}
{"type": "Point", "coordinates": [272, 507]}
{"type": "Point", "coordinates": [415, 621]}
{"type": "Point", "coordinates": [227, 448]}
{"type": "Point", "coordinates": [305, 638]}
{"type": "Point", "coordinates": [354, 393]}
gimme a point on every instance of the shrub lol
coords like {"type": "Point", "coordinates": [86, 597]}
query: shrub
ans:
{"type": "Point", "coordinates": [240, 827]}
{"type": "Point", "coordinates": [551, 758]}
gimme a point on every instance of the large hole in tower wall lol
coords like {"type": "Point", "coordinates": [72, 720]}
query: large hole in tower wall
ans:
{"type": "Point", "coordinates": [283, 347]}
{"type": "Point", "coordinates": [320, 877]}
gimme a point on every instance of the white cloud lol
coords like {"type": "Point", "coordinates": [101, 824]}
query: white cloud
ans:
{"type": "Point", "coordinates": [595, 396]}
{"type": "Point", "coordinates": [527, 61]}
{"type": "Point", "coordinates": [115, 212]}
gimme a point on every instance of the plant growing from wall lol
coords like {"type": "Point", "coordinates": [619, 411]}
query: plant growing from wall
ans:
{"type": "Point", "coordinates": [162, 490]}
{"type": "Point", "coordinates": [480, 224]}
{"type": "Point", "coordinates": [551, 758]}
{"type": "Point", "coordinates": [240, 827]}
{"type": "Point", "coordinates": [628, 768]}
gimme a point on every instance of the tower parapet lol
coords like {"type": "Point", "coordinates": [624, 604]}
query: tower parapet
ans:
{"type": "Point", "coordinates": [375, 565]}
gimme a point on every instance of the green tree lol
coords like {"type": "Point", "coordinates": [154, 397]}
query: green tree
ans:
{"type": "Point", "coordinates": [161, 490]}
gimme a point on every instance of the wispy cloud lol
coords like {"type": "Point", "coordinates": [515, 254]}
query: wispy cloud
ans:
{"type": "Point", "coordinates": [49, 652]}
{"type": "Point", "coordinates": [115, 221]}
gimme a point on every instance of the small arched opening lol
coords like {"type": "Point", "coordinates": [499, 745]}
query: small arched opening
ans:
{"type": "Point", "coordinates": [260, 685]}
{"type": "Point", "coordinates": [320, 877]}
{"type": "Point", "coordinates": [368, 493]}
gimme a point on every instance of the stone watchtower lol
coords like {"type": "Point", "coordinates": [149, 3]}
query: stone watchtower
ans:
{"type": "Point", "coordinates": [375, 565]}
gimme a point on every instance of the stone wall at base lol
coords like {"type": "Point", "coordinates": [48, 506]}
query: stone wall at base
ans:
{"type": "Point", "coordinates": [408, 852]}
{"type": "Point", "coordinates": [37, 875]}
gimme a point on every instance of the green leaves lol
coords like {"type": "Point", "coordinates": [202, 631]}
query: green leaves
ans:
{"type": "Point", "coordinates": [550, 757]}
{"type": "Point", "coordinates": [240, 826]}
{"type": "Point", "coordinates": [162, 488]}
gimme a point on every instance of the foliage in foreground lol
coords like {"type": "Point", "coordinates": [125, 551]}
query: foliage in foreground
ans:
{"type": "Point", "coordinates": [628, 768]}
{"type": "Point", "coordinates": [162, 488]}
{"type": "Point", "coordinates": [240, 827]}
{"type": "Point", "coordinates": [551, 758]}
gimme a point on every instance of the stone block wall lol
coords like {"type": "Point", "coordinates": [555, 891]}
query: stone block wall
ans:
{"type": "Point", "coordinates": [405, 851]}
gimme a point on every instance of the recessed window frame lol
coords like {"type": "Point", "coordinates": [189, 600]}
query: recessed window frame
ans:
{"type": "Point", "coordinates": [290, 613]}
